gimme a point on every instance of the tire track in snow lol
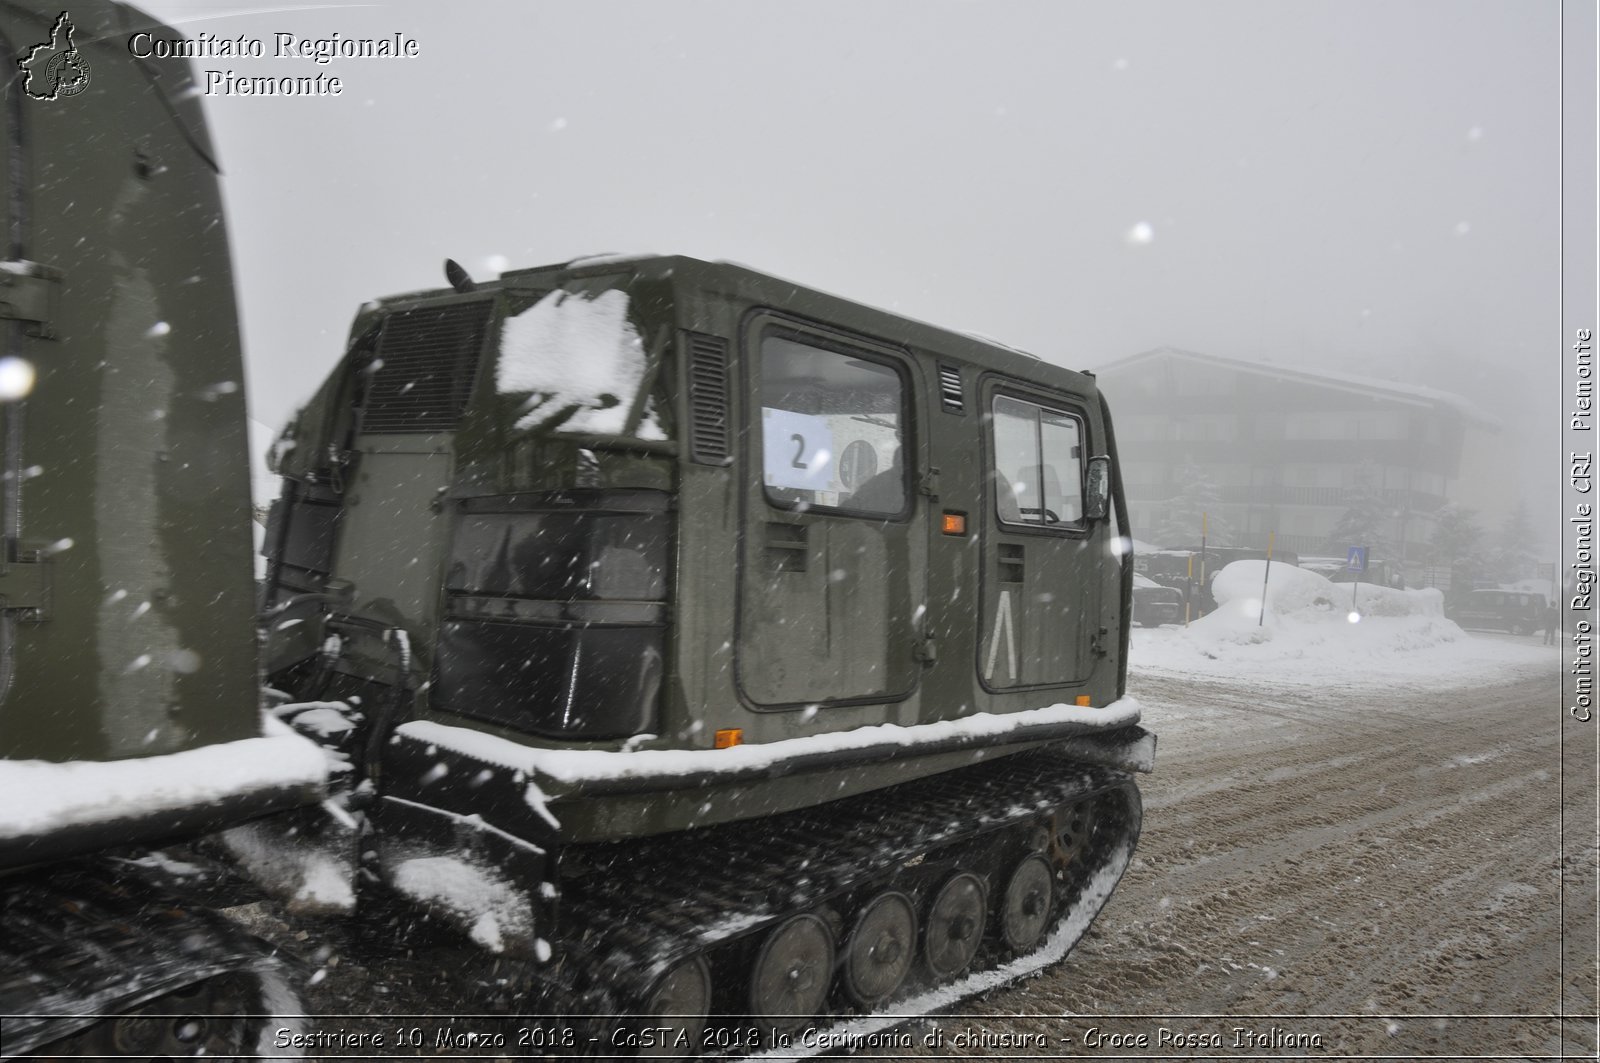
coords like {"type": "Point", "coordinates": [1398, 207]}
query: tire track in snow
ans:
{"type": "Point", "coordinates": [1383, 853]}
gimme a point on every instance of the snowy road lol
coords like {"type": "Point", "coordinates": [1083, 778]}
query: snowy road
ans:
{"type": "Point", "coordinates": [1389, 854]}
{"type": "Point", "coordinates": [1337, 864]}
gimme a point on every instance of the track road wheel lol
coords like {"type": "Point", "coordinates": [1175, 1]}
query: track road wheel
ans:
{"type": "Point", "coordinates": [955, 925]}
{"type": "Point", "coordinates": [790, 978]}
{"type": "Point", "coordinates": [880, 948]}
{"type": "Point", "coordinates": [1025, 906]}
{"type": "Point", "coordinates": [679, 1005]}
{"type": "Point", "coordinates": [204, 1019]}
{"type": "Point", "coordinates": [1070, 834]}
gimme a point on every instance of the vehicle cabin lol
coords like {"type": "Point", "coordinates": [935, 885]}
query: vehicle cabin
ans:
{"type": "Point", "coordinates": [652, 500]}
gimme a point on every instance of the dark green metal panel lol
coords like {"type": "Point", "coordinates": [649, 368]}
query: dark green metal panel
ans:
{"type": "Point", "coordinates": [831, 597]}
{"type": "Point", "coordinates": [1042, 566]}
{"type": "Point", "coordinates": [130, 495]}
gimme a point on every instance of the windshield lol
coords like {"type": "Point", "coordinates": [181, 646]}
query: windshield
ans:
{"type": "Point", "coordinates": [576, 362]}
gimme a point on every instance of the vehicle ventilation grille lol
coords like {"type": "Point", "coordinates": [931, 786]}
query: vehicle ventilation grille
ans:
{"type": "Point", "coordinates": [950, 389]}
{"type": "Point", "coordinates": [709, 441]}
{"type": "Point", "coordinates": [427, 360]}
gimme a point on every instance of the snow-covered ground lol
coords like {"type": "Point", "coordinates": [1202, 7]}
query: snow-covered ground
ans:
{"type": "Point", "coordinates": [1382, 872]}
{"type": "Point", "coordinates": [1317, 633]}
{"type": "Point", "coordinates": [1298, 859]}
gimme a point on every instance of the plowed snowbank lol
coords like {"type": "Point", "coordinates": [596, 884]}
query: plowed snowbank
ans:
{"type": "Point", "coordinates": [1317, 631]}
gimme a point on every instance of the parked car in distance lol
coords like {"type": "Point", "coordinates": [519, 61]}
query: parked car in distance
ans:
{"type": "Point", "coordinates": [1154, 604]}
{"type": "Point", "coordinates": [1518, 612]}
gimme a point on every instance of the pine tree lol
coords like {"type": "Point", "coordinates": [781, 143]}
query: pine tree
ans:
{"type": "Point", "coordinates": [1180, 522]}
{"type": "Point", "coordinates": [1513, 555]}
{"type": "Point", "coordinates": [1457, 543]}
{"type": "Point", "coordinates": [1365, 519]}
{"type": "Point", "coordinates": [1456, 534]}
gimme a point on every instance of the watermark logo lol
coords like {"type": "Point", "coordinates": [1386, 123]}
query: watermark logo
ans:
{"type": "Point", "coordinates": [55, 69]}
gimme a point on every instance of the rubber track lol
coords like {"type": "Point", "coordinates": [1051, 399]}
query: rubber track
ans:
{"type": "Point", "coordinates": [94, 938]}
{"type": "Point", "coordinates": [645, 907]}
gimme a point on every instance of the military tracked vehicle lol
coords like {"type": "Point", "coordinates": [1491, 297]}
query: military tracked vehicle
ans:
{"type": "Point", "coordinates": [130, 705]}
{"type": "Point", "coordinates": [717, 648]}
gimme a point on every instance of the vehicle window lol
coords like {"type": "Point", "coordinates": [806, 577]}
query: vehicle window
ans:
{"type": "Point", "coordinates": [832, 429]}
{"type": "Point", "coordinates": [573, 362]}
{"type": "Point", "coordinates": [1038, 464]}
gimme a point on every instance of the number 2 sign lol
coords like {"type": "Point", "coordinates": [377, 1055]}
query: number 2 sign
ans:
{"type": "Point", "coordinates": [798, 449]}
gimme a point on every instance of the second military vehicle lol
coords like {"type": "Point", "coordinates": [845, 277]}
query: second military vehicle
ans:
{"type": "Point", "coordinates": [715, 645]}
{"type": "Point", "coordinates": [130, 701]}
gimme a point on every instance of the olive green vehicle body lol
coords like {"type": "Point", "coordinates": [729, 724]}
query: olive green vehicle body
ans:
{"type": "Point", "coordinates": [742, 606]}
{"type": "Point", "coordinates": [126, 500]}
{"type": "Point", "coordinates": [130, 698]}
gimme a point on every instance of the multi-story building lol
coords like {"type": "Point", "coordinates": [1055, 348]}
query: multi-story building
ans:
{"type": "Point", "coordinates": [1289, 450]}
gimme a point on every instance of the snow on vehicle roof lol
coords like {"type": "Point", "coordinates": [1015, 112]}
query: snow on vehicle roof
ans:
{"type": "Point", "coordinates": [611, 258]}
{"type": "Point", "coordinates": [984, 337]}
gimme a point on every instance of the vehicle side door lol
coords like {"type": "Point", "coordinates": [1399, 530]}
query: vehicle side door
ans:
{"type": "Point", "coordinates": [832, 566]}
{"type": "Point", "coordinates": [1040, 595]}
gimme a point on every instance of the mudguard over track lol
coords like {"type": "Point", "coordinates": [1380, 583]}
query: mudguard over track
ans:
{"type": "Point", "coordinates": [636, 911]}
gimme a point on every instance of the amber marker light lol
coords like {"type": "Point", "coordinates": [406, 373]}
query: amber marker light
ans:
{"type": "Point", "coordinates": [954, 524]}
{"type": "Point", "coordinates": [1083, 699]}
{"type": "Point", "coordinates": [730, 737]}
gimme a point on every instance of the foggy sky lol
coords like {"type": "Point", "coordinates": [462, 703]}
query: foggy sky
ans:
{"type": "Point", "coordinates": [1366, 186]}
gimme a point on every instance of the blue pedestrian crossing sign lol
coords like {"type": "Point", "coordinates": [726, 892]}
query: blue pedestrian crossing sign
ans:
{"type": "Point", "coordinates": [1357, 561]}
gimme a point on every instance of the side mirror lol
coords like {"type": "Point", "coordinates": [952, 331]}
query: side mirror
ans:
{"type": "Point", "coordinates": [1097, 489]}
